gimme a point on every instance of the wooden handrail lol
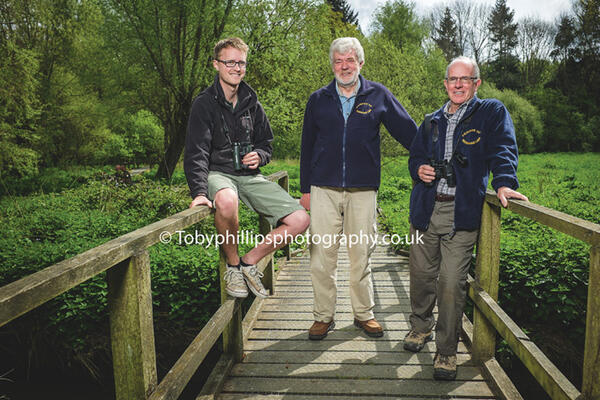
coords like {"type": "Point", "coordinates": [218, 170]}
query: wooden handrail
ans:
{"type": "Point", "coordinates": [29, 292]}
{"type": "Point", "coordinates": [127, 263]}
{"type": "Point", "coordinates": [489, 318]}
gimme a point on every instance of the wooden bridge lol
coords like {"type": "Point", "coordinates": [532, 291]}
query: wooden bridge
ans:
{"type": "Point", "coordinates": [267, 355]}
{"type": "Point", "coordinates": [280, 362]}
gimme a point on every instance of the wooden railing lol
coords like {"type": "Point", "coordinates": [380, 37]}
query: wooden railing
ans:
{"type": "Point", "coordinates": [489, 318]}
{"type": "Point", "coordinates": [127, 264]}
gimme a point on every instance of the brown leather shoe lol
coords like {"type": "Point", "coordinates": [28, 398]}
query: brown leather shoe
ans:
{"type": "Point", "coordinates": [319, 330]}
{"type": "Point", "coordinates": [371, 327]}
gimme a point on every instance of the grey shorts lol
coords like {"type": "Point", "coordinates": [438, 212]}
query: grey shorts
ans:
{"type": "Point", "coordinates": [259, 194]}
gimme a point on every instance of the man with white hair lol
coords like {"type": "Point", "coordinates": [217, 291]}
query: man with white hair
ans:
{"type": "Point", "coordinates": [339, 176]}
{"type": "Point", "coordinates": [450, 160]}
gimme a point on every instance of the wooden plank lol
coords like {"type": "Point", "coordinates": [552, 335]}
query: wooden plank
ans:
{"type": "Point", "coordinates": [295, 301]}
{"type": "Point", "coordinates": [591, 357]}
{"type": "Point", "coordinates": [348, 357]}
{"type": "Point", "coordinates": [287, 396]}
{"type": "Point", "coordinates": [398, 308]}
{"type": "Point", "coordinates": [356, 345]}
{"type": "Point", "coordinates": [177, 378]}
{"type": "Point", "coordinates": [500, 383]}
{"type": "Point", "coordinates": [214, 384]}
{"type": "Point", "coordinates": [487, 275]}
{"type": "Point", "coordinates": [346, 371]}
{"type": "Point", "coordinates": [339, 325]}
{"type": "Point", "coordinates": [357, 387]}
{"type": "Point", "coordinates": [342, 297]}
{"type": "Point", "coordinates": [27, 293]}
{"type": "Point", "coordinates": [308, 316]}
{"type": "Point", "coordinates": [579, 228]}
{"type": "Point", "coordinates": [350, 333]}
{"type": "Point", "coordinates": [131, 328]}
{"type": "Point", "coordinates": [544, 371]}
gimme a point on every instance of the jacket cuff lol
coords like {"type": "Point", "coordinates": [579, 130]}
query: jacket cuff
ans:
{"type": "Point", "coordinates": [508, 182]}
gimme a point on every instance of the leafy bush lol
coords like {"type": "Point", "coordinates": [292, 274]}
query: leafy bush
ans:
{"type": "Point", "coordinates": [525, 116]}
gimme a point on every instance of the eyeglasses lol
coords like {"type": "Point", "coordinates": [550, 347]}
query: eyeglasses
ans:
{"type": "Point", "coordinates": [463, 79]}
{"type": "Point", "coordinates": [231, 63]}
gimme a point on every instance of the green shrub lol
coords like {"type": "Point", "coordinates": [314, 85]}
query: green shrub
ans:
{"type": "Point", "coordinates": [525, 116]}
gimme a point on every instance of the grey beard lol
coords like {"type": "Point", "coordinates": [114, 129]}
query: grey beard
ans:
{"type": "Point", "coordinates": [346, 85]}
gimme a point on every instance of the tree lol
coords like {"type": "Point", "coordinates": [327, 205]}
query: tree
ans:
{"type": "Point", "coordinates": [445, 36]}
{"type": "Point", "coordinates": [163, 50]}
{"type": "Point", "coordinates": [504, 69]}
{"type": "Point", "coordinates": [534, 48]}
{"type": "Point", "coordinates": [503, 32]}
{"type": "Point", "coordinates": [349, 16]}
{"type": "Point", "coordinates": [564, 41]}
{"type": "Point", "coordinates": [470, 20]}
{"type": "Point", "coordinates": [399, 23]}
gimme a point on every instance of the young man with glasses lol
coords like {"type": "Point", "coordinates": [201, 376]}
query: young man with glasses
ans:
{"type": "Point", "coordinates": [450, 160]}
{"type": "Point", "coordinates": [228, 139]}
{"type": "Point", "coordinates": [340, 170]}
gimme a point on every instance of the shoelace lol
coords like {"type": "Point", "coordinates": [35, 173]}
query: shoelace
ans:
{"type": "Point", "coordinates": [254, 272]}
{"type": "Point", "coordinates": [234, 276]}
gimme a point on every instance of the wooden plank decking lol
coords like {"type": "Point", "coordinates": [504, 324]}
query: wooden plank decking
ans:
{"type": "Point", "coordinates": [280, 361]}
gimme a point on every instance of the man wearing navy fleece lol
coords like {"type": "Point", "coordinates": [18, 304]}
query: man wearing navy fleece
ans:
{"type": "Point", "coordinates": [339, 176]}
{"type": "Point", "coordinates": [450, 160]}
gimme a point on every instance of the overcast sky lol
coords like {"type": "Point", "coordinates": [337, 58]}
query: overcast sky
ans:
{"type": "Point", "coordinates": [545, 9]}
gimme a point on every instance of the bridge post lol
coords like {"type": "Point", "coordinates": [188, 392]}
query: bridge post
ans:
{"type": "Point", "coordinates": [487, 275]}
{"type": "Point", "coordinates": [268, 279]}
{"type": "Point", "coordinates": [591, 356]}
{"type": "Point", "coordinates": [284, 182]}
{"type": "Point", "coordinates": [233, 341]}
{"type": "Point", "coordinates": [131, 327]}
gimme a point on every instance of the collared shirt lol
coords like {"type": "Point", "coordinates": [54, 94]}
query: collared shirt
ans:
{"type": "Point", "coordinates": [453, 120]}
{"type": "Point", "coordinates": [347, 102]}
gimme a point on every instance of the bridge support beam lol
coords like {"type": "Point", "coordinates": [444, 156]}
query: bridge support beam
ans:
{"type": "Point", "coordinates": [591, 356]}
{"type": "Point", "coordinates": [131, 328]}
{"type": "Point", "coordinates": [487, 275]}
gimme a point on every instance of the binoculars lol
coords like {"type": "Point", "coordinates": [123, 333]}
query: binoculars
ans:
{"type": "Point", "coordinates": [239, 150]}
{"type": "Point", "coordinates": [444, 169]}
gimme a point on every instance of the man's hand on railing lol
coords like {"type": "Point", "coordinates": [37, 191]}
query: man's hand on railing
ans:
{"type": "Point", "coordinates": [305, 201]}
{"type": "Point", "coordinates": [201, 200]}
{"type": "Point", "coordinates": [505, 193]}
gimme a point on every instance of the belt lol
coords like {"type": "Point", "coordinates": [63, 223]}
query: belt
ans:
{"type": "Point", "coordinates": [443, 197]}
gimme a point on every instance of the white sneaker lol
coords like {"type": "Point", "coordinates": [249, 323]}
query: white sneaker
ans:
{"type": "Point", "coordinates": [252, 278]}
{"type": "Point", "coordinates": [236, 286]}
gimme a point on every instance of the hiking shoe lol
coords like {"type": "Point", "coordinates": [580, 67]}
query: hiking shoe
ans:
{"type": "Point", "coordinates": [252, 277]}
{"type": "Point", "coordinates": [415, 341]}
{"type": "Point", "coordinates": [319, 330]}
{"type": "Point", "coordinates": [444, 367]}
{"type": "Point", "coordinates": [371, 327]}
{"type": "Point", "coordinates": [235, 285]}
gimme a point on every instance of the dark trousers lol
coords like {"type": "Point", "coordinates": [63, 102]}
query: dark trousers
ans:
{"type": "Point", "coordinates": [438, 271]}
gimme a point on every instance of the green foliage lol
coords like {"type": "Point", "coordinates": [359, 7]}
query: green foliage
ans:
{"type": "Point", "coordinates": [19, 109]}
{"type": "Point", "coordinates": [399, 23]}
{"type": "Point", "coordinates": [525, 116]}
{"type": "Point", "coordinates": [51, 180]}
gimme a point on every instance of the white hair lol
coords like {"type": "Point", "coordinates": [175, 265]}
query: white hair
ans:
{"type": "Point", "coordinates": [466, 60]}
{"type": "Point", "coordinates": [344, 45]}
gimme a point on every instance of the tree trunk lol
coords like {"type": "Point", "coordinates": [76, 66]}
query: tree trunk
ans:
{"type": "Point", "coordinates": [175, 132]}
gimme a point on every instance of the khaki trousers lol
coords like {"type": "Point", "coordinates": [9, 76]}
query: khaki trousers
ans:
{"type": "Point", "coordinates": [438, 271]}
{"type": "Point", "coordinates": [337, 211]}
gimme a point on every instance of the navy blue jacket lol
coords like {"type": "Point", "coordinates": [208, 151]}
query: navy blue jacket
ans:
{"type": "Point", "coordinates": [486, 137]}
{"type": "Point", "coordinates": [347, 154]}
